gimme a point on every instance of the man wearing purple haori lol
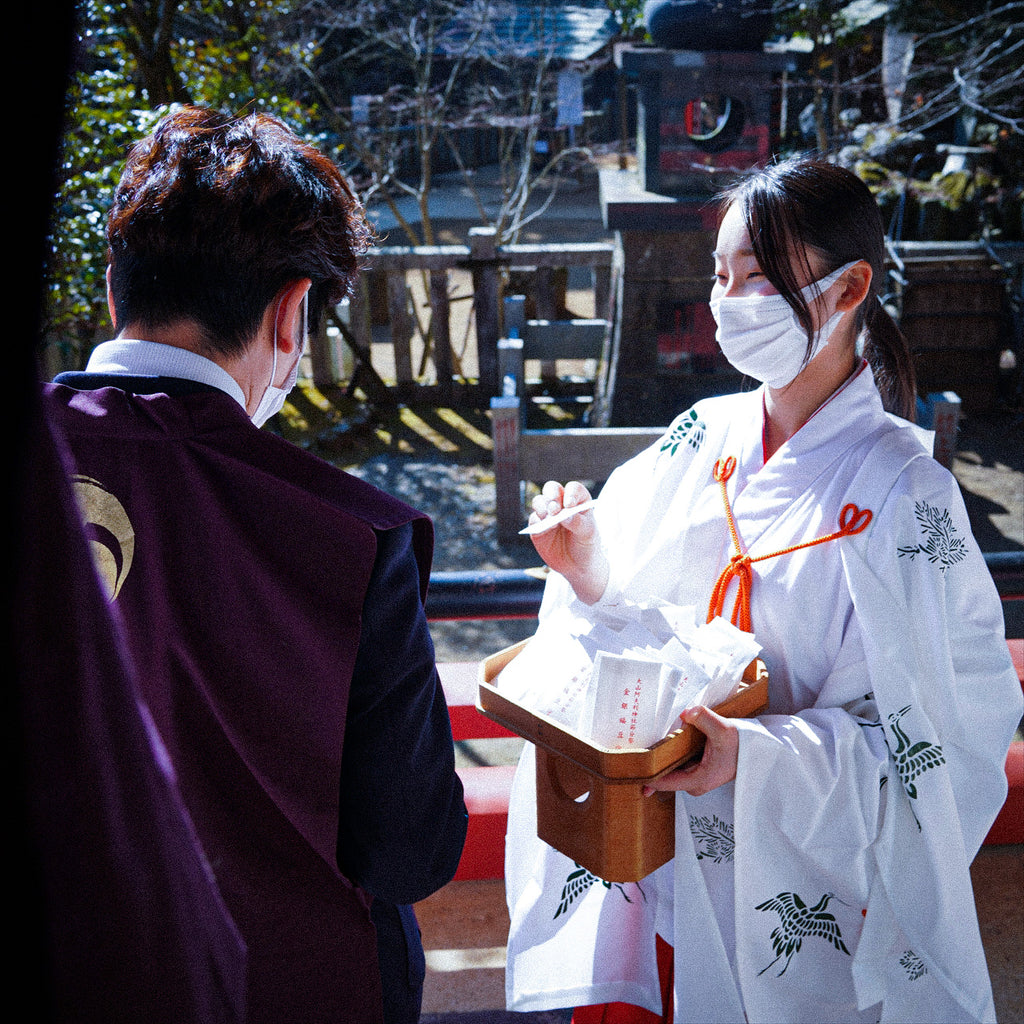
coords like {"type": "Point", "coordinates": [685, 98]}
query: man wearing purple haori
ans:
{"type": "Point", "coordinates": [134, 928]}
{"type": "Point", "coordinates": [273, 604]}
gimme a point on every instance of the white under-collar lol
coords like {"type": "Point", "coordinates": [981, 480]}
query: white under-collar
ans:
{"type": "Point", "coordinates": [135, 358]}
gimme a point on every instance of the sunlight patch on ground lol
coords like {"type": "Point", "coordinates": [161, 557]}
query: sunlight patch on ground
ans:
{"type": "Point", "coordinates": [446, 960]}
{"type": "Point", "coordinates": [388, 439]}
{"type": "Point", "coordinates": [426, 431]}
{"type": "Point", "coordinates": [294, 418]}
{"type": "Point", "coordinates": [315, 396]}
{"type": "Point", "coordinates": [556, 412]}
{"type": "Point", "coordinates": [464, 427]}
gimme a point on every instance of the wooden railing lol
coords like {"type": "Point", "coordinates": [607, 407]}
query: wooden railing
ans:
{"type": "Point", "coordinates": [441, 307]}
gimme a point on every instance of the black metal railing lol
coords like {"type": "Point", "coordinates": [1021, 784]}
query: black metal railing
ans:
{"type": "Point", "coordinates": [516, 593]}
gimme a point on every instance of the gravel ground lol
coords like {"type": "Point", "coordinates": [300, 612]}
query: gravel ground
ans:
{"type": "Point", "coordinates": [460, 500]}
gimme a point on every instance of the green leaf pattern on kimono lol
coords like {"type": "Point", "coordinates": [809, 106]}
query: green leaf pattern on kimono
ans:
{"type": "Point", "coordinates": [941, 546]}
{"type": "Point", "coordinates": [713, 838]}
{"type": "Point", "coordinates": [579, 882]}
{"type": "Point", "coordinates": [913, 965]}
{"type": "Point", "coordinates": [689, 428]}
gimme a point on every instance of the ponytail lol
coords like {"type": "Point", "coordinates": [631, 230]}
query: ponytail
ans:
{"type": "Point", "coordinates": [888, 354]}
{"type": "Point", "coordinates": [804, 205]}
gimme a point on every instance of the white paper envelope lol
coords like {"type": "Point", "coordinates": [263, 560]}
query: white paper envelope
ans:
{"type": "Point", "coordinates": [625, 702]}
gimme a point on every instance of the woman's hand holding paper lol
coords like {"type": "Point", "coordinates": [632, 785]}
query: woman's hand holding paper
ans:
{"type": "Point", "coordinates": [572, 548]}
{"type": "Point", "coordinates": [718, 764]}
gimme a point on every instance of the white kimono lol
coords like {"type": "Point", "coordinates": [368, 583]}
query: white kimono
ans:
{"type": "Point", "coordinates": [830, 881]}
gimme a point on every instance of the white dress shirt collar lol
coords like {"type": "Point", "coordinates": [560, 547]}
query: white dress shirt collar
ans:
{"type": "Point", "coordinates": [131, 357]}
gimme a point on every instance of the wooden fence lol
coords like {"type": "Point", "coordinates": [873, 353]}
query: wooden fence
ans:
{"type": "Point", "coordinates": [424, 321]}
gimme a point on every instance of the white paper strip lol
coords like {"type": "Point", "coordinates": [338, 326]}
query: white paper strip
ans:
{"type": "Point", "coordinates": [559, 517]}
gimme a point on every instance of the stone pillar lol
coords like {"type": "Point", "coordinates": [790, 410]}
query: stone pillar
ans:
{"type": "Point", "coordinates": [702, 117]}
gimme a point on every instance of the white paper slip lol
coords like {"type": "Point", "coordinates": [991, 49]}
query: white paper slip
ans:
{"type": "Point", "coordinates": [559, 517]}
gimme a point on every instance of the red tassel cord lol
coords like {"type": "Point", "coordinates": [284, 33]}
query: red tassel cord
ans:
{"type": "Point", "coordinates": [852, 520]}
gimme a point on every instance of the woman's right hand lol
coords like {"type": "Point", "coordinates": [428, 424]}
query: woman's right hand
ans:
{"type": "Point", "coordinates": [572, 548]}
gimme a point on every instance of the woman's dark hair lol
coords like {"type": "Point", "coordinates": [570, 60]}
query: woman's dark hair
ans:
{"type": "Point", "coordinates": [807, 204]}
{"type": "Point", "coordinates": [215, 214]}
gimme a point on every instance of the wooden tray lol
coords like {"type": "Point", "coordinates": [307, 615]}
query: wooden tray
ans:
{"type": "Point", "coordinates": [590, 802]}
{"type": "Point", "coordinates": [748, 698]}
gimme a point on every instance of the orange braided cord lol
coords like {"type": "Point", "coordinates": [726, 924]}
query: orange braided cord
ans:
{"type": "Point", "coordinates": [852, 520]}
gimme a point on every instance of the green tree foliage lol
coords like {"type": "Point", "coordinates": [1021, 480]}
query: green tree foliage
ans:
{"type": "Point", "coordinates": [630, 16]}
{"type": "Point", "coordinates": [134, 59]}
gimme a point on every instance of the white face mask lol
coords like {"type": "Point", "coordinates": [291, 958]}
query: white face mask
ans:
{"type": "Point", "coordinates": [761, 336]}
{"type": "Point", "coordinates": [273, 398]}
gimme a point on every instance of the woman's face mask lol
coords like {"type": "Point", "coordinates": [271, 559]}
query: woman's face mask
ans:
{"type": "Point", "coordinates": [273, 398]}
{"type": "Point", "coordinates": [761, 336]}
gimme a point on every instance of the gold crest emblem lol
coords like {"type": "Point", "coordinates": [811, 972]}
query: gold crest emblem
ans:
{"type": "Point", "coordinates": [110, 532]}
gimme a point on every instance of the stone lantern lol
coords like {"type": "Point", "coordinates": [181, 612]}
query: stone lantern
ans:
{"type": "Point", "coordinates": [704, 114]}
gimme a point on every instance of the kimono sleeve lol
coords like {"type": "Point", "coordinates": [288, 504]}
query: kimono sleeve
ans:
{"type": "Point", "coordinates": [633, 501]}
{"type": "Point", "coordinates": [808, 807]}
{"type": "Point", "coordinates": [948, 700]}
{"type": "Point", "coordinates": [619, 512]}
{"type": "Point", "coordinates": [951, 632]}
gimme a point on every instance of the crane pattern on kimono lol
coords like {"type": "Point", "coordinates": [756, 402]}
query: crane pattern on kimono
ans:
{"type": "Point", "coordinates": [797, 922]}
{"type": "Point", "coordinates": [941, 546]}
{"type": "Point", "coordinates": [690, 428]}
{"type": "Point", "coordinates": [912, 760]}
{"type": "Point", "coordinates": [578, 883]}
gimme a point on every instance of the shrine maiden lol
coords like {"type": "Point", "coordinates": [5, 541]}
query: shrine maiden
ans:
{"type": "Point", "coordinates": [822, 848]}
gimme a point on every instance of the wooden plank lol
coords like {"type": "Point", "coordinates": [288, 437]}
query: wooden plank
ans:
{"type": "Point", "coordinates": [440, 257]}
{"type": "Point", "coordinates": [421, 257]}
{"type": "Point", "coordinates": [563, 339]}
{"type": "Point", "coordinates": [485, 305]}
{"type": "Point", "coordinates": [440, 330]}
{"type": "Point", "coordinates": [509, 511]}
{"type": "Point", "coordinates": [580, 453]}
{"type": "Point", "coordinates": [510, 366]}
{"type": "Point", "coordinates": [544, 293]}
{"type": "Point", "coordinates": [547, 309]}
{"type": "Point", "coordinates": [320, 357]}
{"type": "Point", "coordinates": [401, 326]}
{"type": "Point", "coordinates": [359, 315]}
{"type": "Point", "coordinates": [515, 315]}
{"type": "Point", "coordinates": [603, 292]}
{"type": "Point", "coordinates": [604, 389]}
{"type": "Point", "coordinates": [558, 254]}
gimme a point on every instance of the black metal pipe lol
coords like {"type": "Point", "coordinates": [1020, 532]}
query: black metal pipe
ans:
{"type": "Point", "coordinates": [1007, 568]}
{"type": "Point", "coordinates": [516, 593]}
{"type": "Point", "coordinates": [487, 594]}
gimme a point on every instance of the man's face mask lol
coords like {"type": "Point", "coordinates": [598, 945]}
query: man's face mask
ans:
{"type": "Point", "coordinates": [273, 398]}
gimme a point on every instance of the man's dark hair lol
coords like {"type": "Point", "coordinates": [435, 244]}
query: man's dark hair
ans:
{"type": "Point", "coordinates": [215, 214]}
